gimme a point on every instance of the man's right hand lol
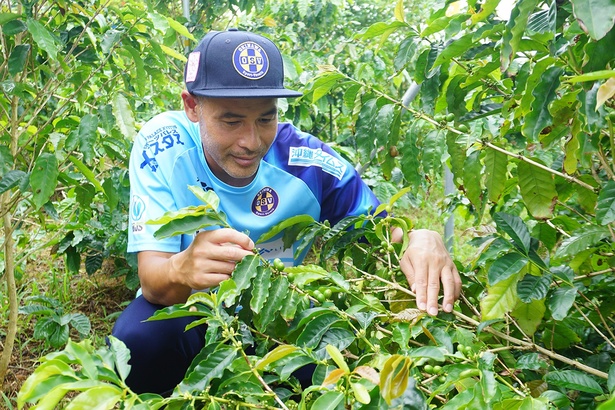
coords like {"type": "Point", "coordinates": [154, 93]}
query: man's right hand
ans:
{"type": "Point", "coordinates": [168, 278]}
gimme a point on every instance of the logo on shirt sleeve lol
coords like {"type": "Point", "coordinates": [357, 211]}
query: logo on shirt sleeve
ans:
{"type": "Point", "coordinates": [307, 157]}
{"type": "Point", "coordinates": [265, 202]}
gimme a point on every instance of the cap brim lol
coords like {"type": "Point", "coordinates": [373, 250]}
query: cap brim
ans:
{"type": "Point", "coordinates": [248, 93]}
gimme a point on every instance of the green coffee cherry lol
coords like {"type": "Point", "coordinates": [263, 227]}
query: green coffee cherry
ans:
{"type": "Point", "coordinates": [278, 264]}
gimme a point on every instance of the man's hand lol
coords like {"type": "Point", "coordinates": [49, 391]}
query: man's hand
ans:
{"type": "Point", "coordinates": [168, 278]}
{"type": "Point", "coordinates": [426, 263]}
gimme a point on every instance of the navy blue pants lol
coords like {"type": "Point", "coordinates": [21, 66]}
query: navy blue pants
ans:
{"type": "Point", "coordinates": [160, 351]}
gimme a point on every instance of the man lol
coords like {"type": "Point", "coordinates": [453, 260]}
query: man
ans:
{"type": "Point", "coordinates": [228, 139]}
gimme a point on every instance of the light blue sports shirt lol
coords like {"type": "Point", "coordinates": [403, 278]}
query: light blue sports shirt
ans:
{"type": "Point", "coordinates": [299, 175]}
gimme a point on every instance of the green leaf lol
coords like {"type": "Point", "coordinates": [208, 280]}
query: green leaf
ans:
{"type": "Point", "coordinates": [243, 274]}
{"type": "Point", "coordinates": [291, 304]}
{"type": "Point", "coordinates": [487, 7]}
{"type": "Point", "coordinates": [496, 164]}
{"type": "Point", "coordinates": [593, 76]}
{"type": "Point", "coordinates": [529, 315]}
{"type": "Point", "coordinates": [430, 352]}
{"type": "Point", "coordinates": [122, 112]}
{"type": "Point", "coordinates": [316, 328]}
{"type": "Point", "coordinates": [506, 266]}
{"type": "Point", "coordinates": [97, 398]}
{"type": "Point", "coordinates": [285, 224]}
{"type": "Point", "coordinates": [45, 374]}
{"type": "Point", "coordinates": [275, 301]}
{"type": "Point", "coordinates": [611, 380]}
{"type": "Point", "coordinates": [544, 93]}
{"type": "Point", "coordinates": [501, 298]}
{"type": "Point", "coordinates": [180, 29]}
{"type": "Point", "coordinates": [121, 356]}
{"type": "Point", "coordinates": [44, 178]}
{"type": "Point", "coordinates": [11, 179]}
{"type": "Point", "coordinates": [394, 377]}
{"type": "Point", "coordinates": [188, 224]}
{"type": "Point", "coordinates": [455, 49]}
{"type": "Point", "coordinates": [573, 380]}
{"type": "Point", "coordinates": [515, 28]}
{"type": "Point", "coordinates": [561, 301]}
{"type": "Point", "coordinates": [581, 240]}
{"type": "Point", "coordinates": [43, 38]}
{"type": "Point", "coordinates": [171, 52]}
{"type": "Point", "coordinates": [6, 17]}
{"type": "Point", "coordinates": [515, 228]}
{"type": "Point", "coordinates": [605, 209]}
{"type": "Point", "coordinates": [274, 355]}
{"type": "Point", "coordinates": [87, 137]}
{"type": "Point", "coordinates": [18, 58]}
{"type": "Point", "coordinates": [331, 400]}
{"type": "Point", "coordinates": [260, 289]}
{"type": "Point", "coordinates": [80, 323]}
{"type": "Point", "coordinates": [472, 167]}
{"type": "Point", "coordinates": [324, 83]}
{"type": "Point", "coordinates": [86, 172]}
{"type": "Point", "coordinates": [382, 30]}
{"type": "Point", "coordinates": [596, 16]}
{"type": "Point", "coordinates": [207, 370]}
{"type": "Point", "coordinates": [537, 189]}
{"type": "Point", "coordinates": [337, 357]}
{"type": "Point", "coordinates": [533, 287]}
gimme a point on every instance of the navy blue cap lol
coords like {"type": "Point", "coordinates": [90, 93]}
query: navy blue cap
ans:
{"type": "Point", "coordinates": [236, 64]}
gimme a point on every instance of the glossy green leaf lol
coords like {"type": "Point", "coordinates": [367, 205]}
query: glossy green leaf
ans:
{"type": "Point", "coordinates": [188, 224]}
{"type": "Point", "coordinates": [57, 393]}
{"type": "Point", "coordinates": [291, 304]}
{"type": "Point", "coordinates": [46, 40]}
{"type": "Point", "coordinates": [605, 209]}
{"type": "Point", "coordinates": [243, 274]}
{"type": "Point", "coordinates": [97, 398]}
{"type": "Point", "coordinates": [455, 49]}
{"type": "Point", "coordinates": [529, 315]}
{"type": "Point", "coordinates": [496, 164]}
{"type": "Point", "coordinates": [537, 189]}
{"type": "Point", "coordinates": [506, 266]}
{"type": "Point", "coordinates": [581, 239]}
{"type": "Point", "coordinates": [324, 83]}
{"type": "Point", "coordinates": [45, 374]}
{"type": "Point", "coordinates": [122, 111]}
{"type": "Point", "coordinates": [515, 228]}
{"type": "Point", "coordinates": [208, 197]}
{"type": "Point", "coordinates": [121, 356]}
{"type": "Point", "coordinates": [331, 400]}
{"type": "Point", "coordinates": [574, 380]}
{"type": "Point", "coordinates": [316, 328]}
{"type": "Point", "coordinates": [337, 357]}
{"type": "Point", "coordinates": [18, 58]}
{"type": "Point", "coordinates": [208, 369]}
{"type": "Point", "coordinates": [87, 172]}
{"type": "Point", "coordinates": [596, 16]}
{"type": "Point", "coordinates": [7, 17]}
{"type": "Point", "coordinates": [275, 301]}
{"type": "Point", "coordinates": [139, 76]}
{"type": "Point", "coordinates": [515, 28]}
{"type": "Point", "coordinates": [274, 355]}
{"type": "Point", "coordinates": [593, 76]}
{"type": "Point", "coordinates": [533, 287]}
{"type": "Point", "coordinates": [87, 137]}
{"type": "Point", "coordinates": [383, 30]}
{"type": "Point", "coordinates": [44, 178]}
{"type": "Point", "coordinates": [561, 300]}
{"type": "Point", "coordinates": [571, 151]}
{"type": "Point", "coordinates": [285, 224]}
{"type": "Point", "coordinates": [260, 289]}
{"type": "Point", "coordinates": [11, 179]}
{"type": "Point", "coordinates": [429, 352]}
{"type": "Point", "coordinates": [471, 184]}
{"type": "Point", "coordinates": [394, 377]}
{"type": "Point", "coordinates": [501, 298]}
{"type": "Point", "coordinates": [180, 29]}
{"type": "Point", "coordinates": [544, 93]}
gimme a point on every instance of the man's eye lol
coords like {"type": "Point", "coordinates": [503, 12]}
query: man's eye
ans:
{"type": "Point", "coordinates": [231, 123]}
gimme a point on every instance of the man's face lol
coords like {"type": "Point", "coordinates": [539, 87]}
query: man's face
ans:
{"type": "Point", "coordinates": [236, 134]}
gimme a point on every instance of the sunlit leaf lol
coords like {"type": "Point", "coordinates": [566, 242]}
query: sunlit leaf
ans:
{"type": "Point", "coordinates": [537, 189]}
{"type": "Point", "coordinates": [207, 370]}
{"type": "Point", "coordinates": [274, 355]}
{"type": "Point", "coordinates": [394, 377]}
{"type": "Point", "coordinates": [596, 16]}
{"type": "Point", "coordinates": [544, 93]}
{"type": "Point", "coordinates": [581, 239]}
{"type": "Point", "coordinates": [529, 315]}
{"type": "Point", "coordinates": [515, 228]}
{"type": "Point", "coordinates": [496, 164]}
{"type": "Point", "coordinates": [505, 266]}
{"type": "Point", "coordinates": [501, 298]}
{"type": "Point", "coordinates": [561, 300]}
{"type": "Point", "coordinates": [605, 209]}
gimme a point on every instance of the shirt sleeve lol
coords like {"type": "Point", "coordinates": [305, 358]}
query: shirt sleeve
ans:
{"type": "Point", "coordinates": [150, 190]}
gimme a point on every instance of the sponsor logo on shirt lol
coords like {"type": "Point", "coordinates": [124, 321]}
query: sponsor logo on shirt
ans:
{"type": "Point", "coordinates": [265, 202]}
{"type": "Point", "coordinates": [250, 60]}
{"type": "Point", "coordinates": [138, 205]}
{"type": "Point", "coordinates": [162, 139]}
{"type": "Point", "coordinates": [307, 157]}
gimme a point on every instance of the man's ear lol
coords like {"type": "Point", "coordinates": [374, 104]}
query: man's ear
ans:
{"type": "Point", "coordinates": [190, 106]}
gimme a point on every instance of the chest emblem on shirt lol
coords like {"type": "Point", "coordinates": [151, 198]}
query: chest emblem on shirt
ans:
{"type": "Point", "coordinates": [265, 202]}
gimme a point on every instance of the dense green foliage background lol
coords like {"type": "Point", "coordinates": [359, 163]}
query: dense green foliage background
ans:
{"type": "Point", "coordinates": [520, 109]}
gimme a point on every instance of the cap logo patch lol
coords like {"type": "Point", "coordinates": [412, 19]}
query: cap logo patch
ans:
{"type": "Point", "coordinates": [250, 60]}
{"type": "Point", "coordinates": [265, 202]}
{"type": "Point", "coordinates": [192, 66]}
